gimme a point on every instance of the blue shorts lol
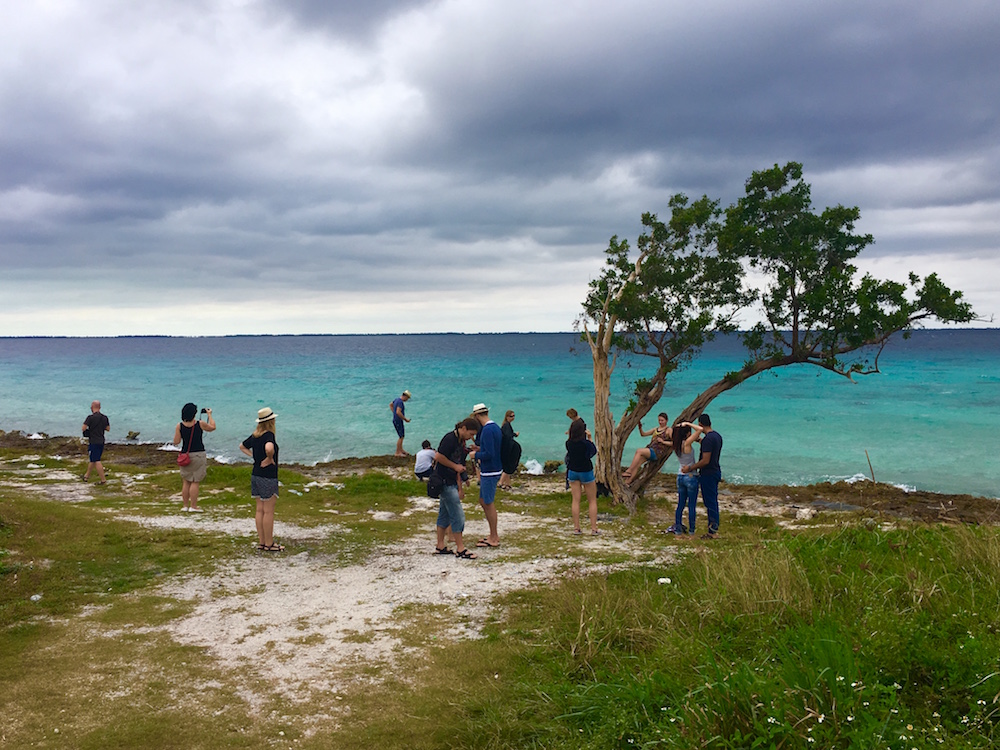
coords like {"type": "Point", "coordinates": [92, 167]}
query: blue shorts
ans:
{"type": "Point", "coordinates": [488, 489]}
{"type": "Point", "coordinates": [584, 477]}
{"type": "Point", "coordinates": [450, 511]}
{"type": "Point", "coordinates": [96, 450]}
{"type": "Point", "coordinates": [398, 424]}
{"type": "Point", "coordinates": [652, 454]}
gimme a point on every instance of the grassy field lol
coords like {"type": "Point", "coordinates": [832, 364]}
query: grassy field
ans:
{"type": "Point", "coordinates": [846, 632]}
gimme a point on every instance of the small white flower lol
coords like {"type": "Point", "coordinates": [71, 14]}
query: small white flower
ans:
{"type": "Point", "coordinates": [821, 718]}
{"type": "Point", "coordinates": [850, 718]}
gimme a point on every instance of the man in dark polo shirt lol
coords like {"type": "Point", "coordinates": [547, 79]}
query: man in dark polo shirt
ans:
{"type": "Point", "coordinates": [94, 427]}
{"type": "Point", "coordinates": [711, 474]}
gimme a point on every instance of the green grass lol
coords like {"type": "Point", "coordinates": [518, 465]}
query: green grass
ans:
{"type": "Point", "coordinates": [839, 637]}
{"type": "Point", "coordinates": [848, 639]}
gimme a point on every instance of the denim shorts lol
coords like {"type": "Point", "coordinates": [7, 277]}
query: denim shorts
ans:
{"type": "Point", "coordinates": [450, 511]}
{"type": "Point", "coordinates": [585, 477]}
{"type": "Point", "coordinates": [652, 454]}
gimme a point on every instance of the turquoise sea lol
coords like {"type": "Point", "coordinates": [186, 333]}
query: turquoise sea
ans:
{"type": "Point", "coordinates": [928, 421]}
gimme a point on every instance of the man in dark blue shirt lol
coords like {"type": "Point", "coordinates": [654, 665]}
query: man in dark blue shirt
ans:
{"type": "Point", "coordinates": [398, 408]}
{"type": "Point", "coordinates": [711, 473]}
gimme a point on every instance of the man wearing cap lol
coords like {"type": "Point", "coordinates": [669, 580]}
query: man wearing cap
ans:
{"type": "Point", "coordinates": [487, 453]}
{"type": "Point", "coordinates": [710, 473]}
{"type": "Point", "coordinates": [398, 408]}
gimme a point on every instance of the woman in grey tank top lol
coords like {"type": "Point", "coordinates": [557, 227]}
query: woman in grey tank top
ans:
{"type": "Point", "coordinates": [685, 436]}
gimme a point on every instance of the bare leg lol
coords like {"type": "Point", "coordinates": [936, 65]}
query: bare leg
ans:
{"type": "Point", "coordinates": [592, 507]}
{"type": "Point", "coordinates": [399, 447]}
{"type": "Point", "coordinates": [267, 520]}
{"type": "Point", "coordinates": [100, 471]}
{"type": "Point", "coordinates": [259, 520]}
{"type": "Point", "coordinates": [574, 488]}
{"type": "Point", "coordinates": [193, 495]}
{"type": "Point", "coordinates": [640, 455]}
{"type": "Point", "coordinates": [491, 518]}
{"type": "Point", "coordinates": [185, 495]}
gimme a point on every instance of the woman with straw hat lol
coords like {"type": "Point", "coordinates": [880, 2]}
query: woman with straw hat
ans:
{"type": "Point", "coordinates": [263, 448]}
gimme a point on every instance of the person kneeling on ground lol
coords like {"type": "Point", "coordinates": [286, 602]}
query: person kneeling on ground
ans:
{"type": "Point", "coordinates": [424, 464]}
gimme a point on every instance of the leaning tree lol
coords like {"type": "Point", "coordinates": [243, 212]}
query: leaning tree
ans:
{"type": "Point", "coordinates": [690, 278]}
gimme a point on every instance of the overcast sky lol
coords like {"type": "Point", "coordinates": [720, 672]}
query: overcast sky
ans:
{"type": "Point", "coordinates": [315, 166]}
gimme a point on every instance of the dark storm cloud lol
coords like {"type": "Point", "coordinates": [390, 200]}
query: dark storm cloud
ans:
{"type": "Point", "coordinates": [759, 83]}
{"type": "Point", "coordinates": [326, 146]}
{"type": "Point", "coordinates": [346, 20]}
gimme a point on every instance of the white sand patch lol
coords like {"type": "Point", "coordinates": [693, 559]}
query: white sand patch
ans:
{"type": "Point", "coordinates": [301, 622]}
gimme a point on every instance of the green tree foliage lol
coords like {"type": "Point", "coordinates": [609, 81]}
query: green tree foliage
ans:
{"type": "Point", "coordinates": [688, 280]}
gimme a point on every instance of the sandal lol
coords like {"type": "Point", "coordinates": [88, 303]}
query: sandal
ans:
{"type": "Point", "coordinates": [465, 554]}
{"type": "Point", "coordinates": [443, 551]}
{"type": "Point", "coordinates": [275, 547]}
{"type": "Point", "coordinates": [484, 542]}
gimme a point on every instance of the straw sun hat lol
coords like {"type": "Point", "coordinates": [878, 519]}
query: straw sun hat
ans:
{"type": "Point", "coordinates": [265, 414]}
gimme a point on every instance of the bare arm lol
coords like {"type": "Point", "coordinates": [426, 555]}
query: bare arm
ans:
{"type": "Point", "coordinates": [246, 450]}
{"type": "Point", "coordinates": [269, 450]}
{"type": "Point", "coordinates": [177, 434]}
{"type": "Point", "coordinates": [703, 461]}
{"type": "Point", "coordinates": [209, 424]}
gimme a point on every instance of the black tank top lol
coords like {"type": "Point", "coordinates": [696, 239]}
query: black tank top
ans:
{"type": "Point", "coordinates": [197, 446]}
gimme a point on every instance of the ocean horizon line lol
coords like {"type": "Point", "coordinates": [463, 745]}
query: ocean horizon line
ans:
{"type": "Point", "coordinates": [942, 329]}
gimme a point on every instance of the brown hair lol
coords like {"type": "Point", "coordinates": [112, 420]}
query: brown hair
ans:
{"type": "Point", "coordinates": [572, 413]}
{"type": "Point", "coordinates": [679, 435]}
{"type": "Point", "coordinates": [509, 415]}
{"type": "Point", "coordinates": [578, 430]}
{"type": "Point", "coordinates": [469, 423]}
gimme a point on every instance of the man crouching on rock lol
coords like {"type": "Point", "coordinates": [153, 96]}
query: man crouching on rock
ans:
{"type": "Point", "coordinates": [450, 458]}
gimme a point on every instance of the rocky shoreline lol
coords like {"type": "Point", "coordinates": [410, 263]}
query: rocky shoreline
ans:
{"type": "Point", "coordinates": [871, 497]}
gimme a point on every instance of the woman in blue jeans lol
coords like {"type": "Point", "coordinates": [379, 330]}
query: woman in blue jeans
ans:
{"type": "Point", "coordinates": [686, 435]}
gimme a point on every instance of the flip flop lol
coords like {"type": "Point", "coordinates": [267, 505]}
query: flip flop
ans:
{"type": "Point", "coordinates": [466, 555]}
{"type": "Point", "coordinates": [484, 542]}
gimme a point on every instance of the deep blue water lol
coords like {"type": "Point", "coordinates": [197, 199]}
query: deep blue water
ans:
{"type": "Point", "coordinates": [928, 421]}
